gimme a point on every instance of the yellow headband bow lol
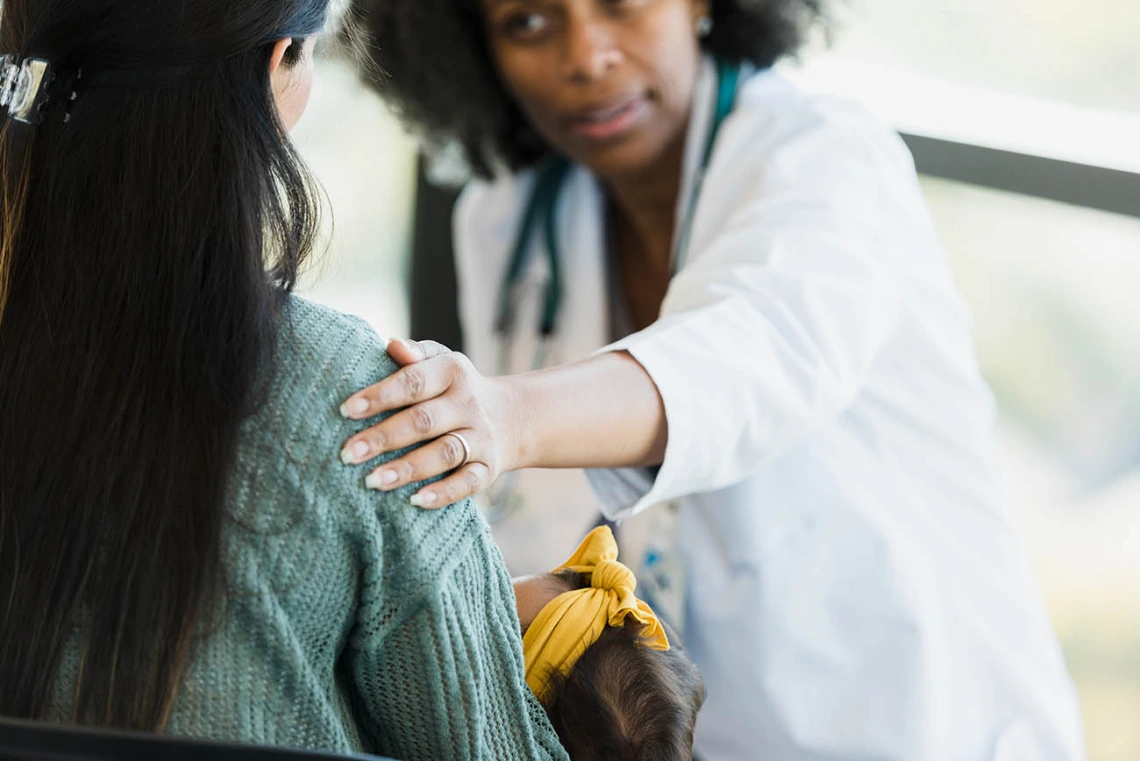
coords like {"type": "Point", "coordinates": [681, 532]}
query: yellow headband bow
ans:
{"type": "Point", "coordinates": [573, 621]}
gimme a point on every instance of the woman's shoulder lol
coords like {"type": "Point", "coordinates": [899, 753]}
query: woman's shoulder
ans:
{"type": "Point", "coordinates": [784, 142]}
{"type": "Point", "coordinates": [321, 357]}
{"type": "Point", "coordinates": [304, 516]}
{"type": "Point", "coordinates": [776, 115]}
{"type": "Point", "coordinates": [318, 339]}
{"type": "Point", "coordinates": [289, 448]}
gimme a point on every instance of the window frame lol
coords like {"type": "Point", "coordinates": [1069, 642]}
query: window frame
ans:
{"type": "Point", "coordinates": [1027, 174]}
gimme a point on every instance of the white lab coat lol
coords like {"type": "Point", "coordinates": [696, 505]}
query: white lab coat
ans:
{"type": "Point", "coordinates": [854, 590]}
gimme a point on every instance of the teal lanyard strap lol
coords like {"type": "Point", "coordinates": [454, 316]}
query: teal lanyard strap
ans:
{"type": "Point", "coordinates": [552, 304]}
{"type": "Point", "coordinates": [728, 75]}
{"type": "Point", "coordinates": [542, 207]}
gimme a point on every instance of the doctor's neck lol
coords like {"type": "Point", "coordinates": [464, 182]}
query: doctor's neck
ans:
{"type": "Point", "coordinates": [645, 200]}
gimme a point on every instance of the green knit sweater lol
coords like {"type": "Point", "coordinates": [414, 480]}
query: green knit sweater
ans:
{"type": "Point", "coordinates": [353, 622]}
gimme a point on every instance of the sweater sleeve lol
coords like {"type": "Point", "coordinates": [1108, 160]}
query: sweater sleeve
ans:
{"type": "Point", "coordinates": [432, 662]}
{"type": "Point", "coordinates": [436, 659]}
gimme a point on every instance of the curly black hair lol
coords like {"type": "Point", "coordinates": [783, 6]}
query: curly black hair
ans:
{"type": "Point", "coordinates": [430, 61]}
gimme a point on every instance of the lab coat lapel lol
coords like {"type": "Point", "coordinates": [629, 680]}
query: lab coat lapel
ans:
{"type": "Point", "coordinates": [583, 325]}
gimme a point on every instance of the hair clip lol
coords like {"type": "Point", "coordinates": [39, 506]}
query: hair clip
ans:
{"type": "Point", "coordinates": [23, 86]}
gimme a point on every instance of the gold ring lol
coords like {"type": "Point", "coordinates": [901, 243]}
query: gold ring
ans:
{"type": "Point", "coordinates": [466, 448]}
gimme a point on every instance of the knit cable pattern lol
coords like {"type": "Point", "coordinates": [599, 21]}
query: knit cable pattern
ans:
{"type": "Point", "coordinates": [353, 622]}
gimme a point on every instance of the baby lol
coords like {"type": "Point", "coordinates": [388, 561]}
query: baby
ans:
{"type": "Point", "coordinates": [602, 664]}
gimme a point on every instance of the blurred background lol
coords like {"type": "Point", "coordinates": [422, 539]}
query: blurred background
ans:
{"type": "Point", "coordinates": [1056, 84]}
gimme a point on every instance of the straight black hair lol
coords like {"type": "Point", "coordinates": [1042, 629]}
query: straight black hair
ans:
{"type": "Point", "coordinates": [145, 248]}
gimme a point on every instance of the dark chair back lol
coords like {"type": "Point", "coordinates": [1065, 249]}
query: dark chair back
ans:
{"type": "Point", "coordinates": [434, 293]}
{"type": "Point", "coordinates": [55, 742]}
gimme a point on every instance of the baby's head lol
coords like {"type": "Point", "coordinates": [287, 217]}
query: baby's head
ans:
{"type": "Point", "coordinates": [632, 694]}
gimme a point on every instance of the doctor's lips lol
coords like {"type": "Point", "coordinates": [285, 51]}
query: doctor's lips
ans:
{"type": "Point", "coordinates": [606, 121]}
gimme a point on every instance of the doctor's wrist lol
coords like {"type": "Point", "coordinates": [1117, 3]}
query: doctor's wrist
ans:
{"type": "Point", "coordinates": [601, 412]}
{"type": "Point", "coordinates": [519, 424]}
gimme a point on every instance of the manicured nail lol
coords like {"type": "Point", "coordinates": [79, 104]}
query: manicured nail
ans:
{"type": "Point", "coordinates": [354, 454]}
{"type": "Point", "coordinates": [423, 499]}
{"type": "Point", "coordinates": [381, 479]}
{"type": "Point", "coordinates": [354, 407]}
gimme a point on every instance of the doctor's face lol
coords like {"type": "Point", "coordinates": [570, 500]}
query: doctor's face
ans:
{"type": "Point", "coordinates": [607, 82]}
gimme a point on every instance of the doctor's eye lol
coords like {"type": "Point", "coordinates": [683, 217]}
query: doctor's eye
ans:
{"type": "Point", "coordinates": [623, 4]}
{"type": "Point", "coordinates": [525, 26]}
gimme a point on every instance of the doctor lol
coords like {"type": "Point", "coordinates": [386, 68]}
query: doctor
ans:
{"type": "Point", "coordinates": [724, 299]}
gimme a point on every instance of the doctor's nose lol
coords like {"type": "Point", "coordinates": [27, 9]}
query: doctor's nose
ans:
{"type": "Point", "coordinates": [591, 51]}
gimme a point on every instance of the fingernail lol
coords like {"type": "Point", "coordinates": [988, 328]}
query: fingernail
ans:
{"type": "Point", "coordinates": [354, 407]}
{"type": "Point", "coordinates": [381, 479]}
{"type": "Point", "coordinates": [354, 454]}
{"type": "Point", "coordinates": [423, 499]}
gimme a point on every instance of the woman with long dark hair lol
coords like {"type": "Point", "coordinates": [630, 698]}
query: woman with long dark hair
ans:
{"type": "Point", "coordinates": [175, 553]}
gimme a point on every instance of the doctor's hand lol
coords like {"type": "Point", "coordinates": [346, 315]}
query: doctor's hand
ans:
{"type": "Point", "coordinates": [601, 412]}
{"type": "Point", "coordinates": [462, 418]}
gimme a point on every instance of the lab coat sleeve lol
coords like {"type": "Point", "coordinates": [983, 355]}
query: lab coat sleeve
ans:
{"type": "Point", "coordinates": [789, 291]}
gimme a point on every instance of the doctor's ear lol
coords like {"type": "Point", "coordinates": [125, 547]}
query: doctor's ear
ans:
{"type": "Point", "coordinates": [702, 16]}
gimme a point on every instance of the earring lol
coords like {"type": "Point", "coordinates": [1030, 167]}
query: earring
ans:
{"type": "Point", "coordinates": [704, 26]}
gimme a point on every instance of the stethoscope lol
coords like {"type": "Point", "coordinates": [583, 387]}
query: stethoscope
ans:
{"type": "Point", "coordinates": [541, 210]}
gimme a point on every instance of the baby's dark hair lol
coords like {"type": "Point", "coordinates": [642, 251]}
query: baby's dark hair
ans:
{"type": "Point", "coordinates": [624, 701]}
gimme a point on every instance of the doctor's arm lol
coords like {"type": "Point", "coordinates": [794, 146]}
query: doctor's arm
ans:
{"type": "Point", "coordinates": [773, 330]}
{"type": "Point", "coordinates": [762, 337]}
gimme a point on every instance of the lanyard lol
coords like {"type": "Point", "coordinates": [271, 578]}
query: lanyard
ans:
{"type": "Point", "coordinates": [542, 209]}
